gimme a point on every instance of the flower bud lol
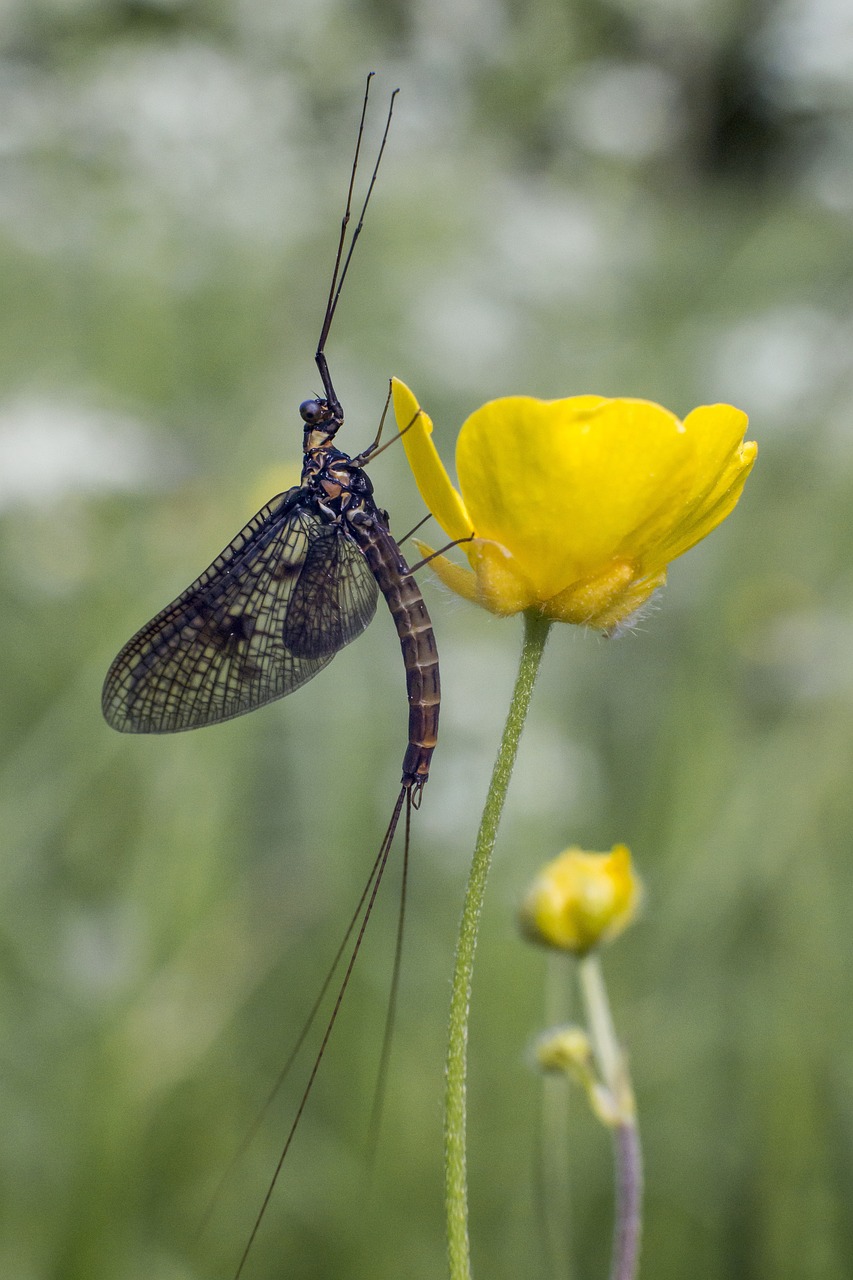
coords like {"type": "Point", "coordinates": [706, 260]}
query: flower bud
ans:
{"type": "Point", "coordinates": [580, 899]}
{"type": "Point", "coordinates": [568, 1050]}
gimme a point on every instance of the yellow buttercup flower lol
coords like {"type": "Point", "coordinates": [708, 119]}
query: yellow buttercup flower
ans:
{"type": "Point", "coordinates": [575, 507]}
{"type": "Point", "coordinates": [580, 899]}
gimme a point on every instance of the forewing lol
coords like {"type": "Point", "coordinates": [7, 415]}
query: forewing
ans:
{"type": "Point", "coordinates": [218, 650]}
{"type": "Point", "coordinates": [334, 598]}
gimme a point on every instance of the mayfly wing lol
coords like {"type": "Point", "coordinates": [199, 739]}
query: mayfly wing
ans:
{"type": "Point", "coordinates": [219, 650]}
{"type": "Point", "coordinates": [334, 598]}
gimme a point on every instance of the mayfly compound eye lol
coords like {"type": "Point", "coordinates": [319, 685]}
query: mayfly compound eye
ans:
{"type": "Point", "coordinates": [311, 411]}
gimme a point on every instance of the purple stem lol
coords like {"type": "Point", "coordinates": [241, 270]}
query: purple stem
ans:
{"type": "Point", "coordinates": [628, 1159]}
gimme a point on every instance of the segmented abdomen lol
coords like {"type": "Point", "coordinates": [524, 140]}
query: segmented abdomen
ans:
{"type": "Point", "coordinates": [417, 641]}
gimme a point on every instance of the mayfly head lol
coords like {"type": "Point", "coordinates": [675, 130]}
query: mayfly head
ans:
{"type": "Point", "coordinates": [322, 421]}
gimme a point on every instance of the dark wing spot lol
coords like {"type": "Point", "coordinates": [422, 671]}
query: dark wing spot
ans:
{"type": "Point", "coordinates": [241, 626]}
{"type": "Point", "coordinates": [286, 569]}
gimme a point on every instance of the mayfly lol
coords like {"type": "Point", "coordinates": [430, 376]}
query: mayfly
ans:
{"type": "Point", "coordinates": [296, 585]}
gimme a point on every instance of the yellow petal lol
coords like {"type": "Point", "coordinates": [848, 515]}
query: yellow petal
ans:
{"type": "Point", "coordinates": [432, 480]}
{"type": "Point", "coordinates": [709, 517]}
{"type": "Point", "coordinates": [503, 586]}
{"type": "Point", "coordinates": [718, 430]}
{"type": "Point", "coordinates": [607, 601]}
{"type": "Point", "coordinates": [564, 484]}
{"type": "Point", "coordinates": [722, 463]}
{"type": "Point", "coordinates": [454, 576]}
{"type": "Point", "coordinates": [712, 506]}
{"type": "Point", "coordinates": [617, 612]}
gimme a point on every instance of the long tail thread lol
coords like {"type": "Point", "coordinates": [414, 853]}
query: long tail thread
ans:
{"type": "Point", "coordinates": [292, 1056]}
{"type": "Point", "coordinates": [391, 1015]}
{"type": "Point", "coordinates": [371, 891]}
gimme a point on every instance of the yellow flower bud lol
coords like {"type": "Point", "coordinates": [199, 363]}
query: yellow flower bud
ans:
{"type": "Point", "coordinates": [574, 508]}
{"type": "Point", "coordinates": [568, 1050]}
{"type": "Point", "coordinates": [580, 899]}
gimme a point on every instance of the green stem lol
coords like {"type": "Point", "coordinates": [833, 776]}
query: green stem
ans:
{"type": "Point", "coordinates": [627, 1153]}
{"type": "Point", "coordinates": [605, 1045]}
{"type": "Point", "coordinates": [456, 1182]}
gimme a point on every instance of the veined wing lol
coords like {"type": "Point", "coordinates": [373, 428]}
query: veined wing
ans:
{"type": "Point", "coordinates": [219, 650]}
{"type": "Point", "coordinates": [334, 598]}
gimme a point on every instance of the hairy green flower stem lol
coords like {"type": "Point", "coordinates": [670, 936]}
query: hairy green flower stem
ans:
{"type": "Point", "coordinates": [621, 1119]}
{"type": "Point", "coordinates": [536, 629]}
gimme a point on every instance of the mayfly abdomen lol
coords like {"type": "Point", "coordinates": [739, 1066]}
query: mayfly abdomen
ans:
{"type": "Point", "coordinates": [417, 641]}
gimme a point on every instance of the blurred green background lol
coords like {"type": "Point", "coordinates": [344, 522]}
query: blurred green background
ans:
{"type": "Point", "coordinates": [651, 199]}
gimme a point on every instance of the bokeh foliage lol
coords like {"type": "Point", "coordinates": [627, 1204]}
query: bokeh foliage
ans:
{"type": "Point", "coordinates": [629, 199]}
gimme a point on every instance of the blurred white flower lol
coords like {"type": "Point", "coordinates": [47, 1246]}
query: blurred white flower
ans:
{"type": "Point", "coordinates": [807, 46]}
{"type": "Point", "coordinates": [625, 110]}
{"type": "Point", "coordinates": [776, 362]}
{"type": "Point", "coordinates": [48, 450]}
